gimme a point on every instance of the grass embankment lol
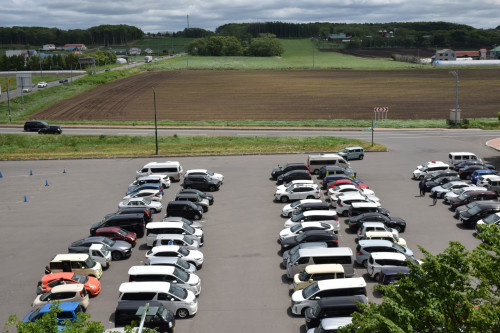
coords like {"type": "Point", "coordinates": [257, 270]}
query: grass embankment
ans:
{"type": "Point", "coordinates": [19, 146]}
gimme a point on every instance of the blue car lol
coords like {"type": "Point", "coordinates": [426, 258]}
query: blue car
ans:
{"type": "Point", "coordinates": [69, 311]}
{"type": "Point", "coordinates": [148, 186]}
{"type": "Point", "coordinates": [478, 173]}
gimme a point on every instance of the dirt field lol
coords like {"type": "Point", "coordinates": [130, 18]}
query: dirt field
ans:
{"type": "Point", "coordinates": [285, 95]}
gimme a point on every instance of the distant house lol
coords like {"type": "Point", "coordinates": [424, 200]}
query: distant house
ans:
{"type": "Point", "coordinates": [446, 55]}
{"type": "Point", "coordinates": [49, 47]}
{"type": "Point", "coordinates": [75, 47]}
{"type": "Point", "coordinates": [134, 51]}
{"type": "Point", "coordinates": [10, 53]}
{"type": "Point", "coordinates": [495, 53]}
{"type": "Point", "coordinates": [120, 52]}
{"type": "Point", "coordinates": [467, 54]}
{"type": "Point", "coordinates": [339, 38]}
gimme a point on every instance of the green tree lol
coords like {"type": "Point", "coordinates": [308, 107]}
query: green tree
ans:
{"type": "Point", "coordinates": [455, 291]}
{"type": "Point", "coordinates": [266, 45]}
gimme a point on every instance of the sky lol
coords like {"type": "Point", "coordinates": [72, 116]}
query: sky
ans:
{"type": "Point", "coordinates": [172, 15]}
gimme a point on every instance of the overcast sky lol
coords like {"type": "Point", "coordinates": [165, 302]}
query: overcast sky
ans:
{"type": "Point", "coordinates": [171, 15]}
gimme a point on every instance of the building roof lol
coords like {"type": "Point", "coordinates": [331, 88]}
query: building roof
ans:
{"type": "Point", "coordinates": [467, 53]}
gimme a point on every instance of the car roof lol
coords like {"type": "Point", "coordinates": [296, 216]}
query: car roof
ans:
{"type": "Point", "coordinates": [156, 270]}
{"type": "Point", "coordinates": [314, 204]}
{"type": "Point", "coordinates": [375, 242]}
{"type": "Point", "coordinates": [65, 306]}
{"type": "Point", "coordinates": [342, 283]}
{"type": "Point", "coordinates": [322, 251]}
{"type": "Point", "coordinates": [488, 204]}
{"type": "Point", "coordinates": [342, 301]}
{"type": "Point", "coordinates": [70, 256]}
{"type": "Point", "coordinates": [395, 270]}
{"type": "Point", "coordinates": [324, 268]}
{"type": "Point", "coordinates": [373, 224]}
{"type": "Point", "coordinates": [153, 225]}
{"type": "Point", "coordinates": [327, 213]}
{"type": "Point", "coordinates": [125, 305]}
{"type": "Point", "coordinates": [363, 204]}
{"type": "Point", "coordinates": [388, 255]}
{"type": "Point", "coordinates": [150, 286]}
{"type": "Point", "coordinates": [162, 248]}
{"type": "Point", "coordinates": [108, 229]}
{"type": "Point", "coordinates": [70, 287]}
{"type": "Point", "coordinates": [56, 276]}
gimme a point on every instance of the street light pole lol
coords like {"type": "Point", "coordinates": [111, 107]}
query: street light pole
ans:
{"type": "Point", "coordinates": [156, 124]}
{"type": "Point", "coordinates": [455, 74]}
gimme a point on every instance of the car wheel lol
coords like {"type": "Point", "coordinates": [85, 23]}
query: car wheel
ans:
{"type": "Point", "coordinates": [345, 213]}
{"type": "Point", "coordinates": [398, 228]}
{"type": "Point", "coordinates": [197, 217]}
{"type": "Point", "coordinates": [284, 199]}
{"type": "Point", "coordinates": [212, 188]}
{"type": "Point", "coordinates": [361, 157]}
{"type": "Point", "coordinates": [365, 263]}
{"type": "Point", "coordinates": [310, 197]}
{"type": "Point", "coordinates": [316, 172]}
{"type": "Point", "coordinates": [290, 214]}
{"type": "Point", "coordinates": [116, 255]}
{"type": "Point", "coordinates": [377, 277]}
{"type": "Point", "coordinates": [182, 313]}
{"type": "Point", "coordinates": [421, 177]}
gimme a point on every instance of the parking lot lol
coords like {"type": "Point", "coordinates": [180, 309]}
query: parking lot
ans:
{"type": "Point", "coordinates": [243, 287]}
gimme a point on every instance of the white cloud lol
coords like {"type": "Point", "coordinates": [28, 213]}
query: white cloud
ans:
{"type": "Point", "coordinates": [171, 15]}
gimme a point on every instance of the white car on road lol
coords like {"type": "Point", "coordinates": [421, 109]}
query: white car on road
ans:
{"type": "Point", "coordinates": [298, 192]}
{"type": "Point", "coordinates": [344, 202]}
{"type": "Point", "coordinates": [455, 193]}
{"type": "Point", "coordinates": [325, 216]}
{"type": "Point", "coordinates": [42, 84]}
{"type": "Point", "coordinates": [154, 206]}
{"type": "Point", "coordinates": [205, 172]}
{"type": "Point", "coordinates": [441, 190]}
{"type": "Point", "coordinates": [288, 210]}
{"type": "Point", "coordinates": [192, 256]}
{"type": "Point", "coordinates": [335, 192]}
{"type": "Point", "coordinates": [149, 194]}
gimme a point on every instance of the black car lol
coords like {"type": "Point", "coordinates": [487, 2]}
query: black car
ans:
{"type": "Point", "coordinates": [464, 164]}
{"type": "Point", "coordinates": [392, 222]}
{"type": "Point", "coordinates": [441, 173]}
{"type": "Point", "coordinates": [335, 306]}
{"type": "Point", "coordinates": [35, 125]}
{"type": "Point", "coordinates": [482, 210]}
{"type": "Point", "coordinates": [201, 182]}
{"type": "Point", "coordinates": [332, 178]}
{"type": "Point", "coordinates": [293, 175]}
{"type": "Point", "coordinates": [194, 198]}
{"type": "Point", "coordinates": [52, 129]}
{"type": "Point", "coordinates": [133, 210]}
{"type": "Point", "coordinates": [466, 172]}
{"type": "Point", "coordinates": [119, 249]}
{"type": "Point", "coordinates": [202, 194]}
{"type": "Point", "coordinates": [157, 317]}
{"type": "Point", "coordinates": [327, 236]}
{"type": "Point", "coordinates": [280, 170]}
{"type": "Point", "coordinates": [63, 80]}
{"type": "Point", "coordinates": [129, 222]}
{"type": "Point", "coordinates": [439, 181]}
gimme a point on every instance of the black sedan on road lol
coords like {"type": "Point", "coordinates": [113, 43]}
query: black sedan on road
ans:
{"type": "Point", "coordinates": [327, 236]}
{"type": "Point", "coordinates": [439, 181]}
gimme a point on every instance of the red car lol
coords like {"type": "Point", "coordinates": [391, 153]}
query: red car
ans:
{"type": "Point", "coordinates": [346, 181]}
{"type": "Point", "coordinates": [116, 233]}
{"type": "Point", "coordinates": [92, 285]}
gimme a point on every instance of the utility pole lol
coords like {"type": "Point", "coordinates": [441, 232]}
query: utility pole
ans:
{"type": "Point", "coordinates": [455, 74]}
{"type": "Point", "coordinates": [156, 124]}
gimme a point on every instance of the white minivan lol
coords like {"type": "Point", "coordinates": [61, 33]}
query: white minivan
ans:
{"type": "Point", "coordinates": [461, 156]}
{"type": "Point", "coordinates": [173, 169]}
{"type": "Point", "coordinates": [315, 256]}
{"type": "Point", "coordinates": [317, 161]}
{"type": "Point", "coordinates": [180, 301]}
{"type": "Point", "coordinates": [171, 274]}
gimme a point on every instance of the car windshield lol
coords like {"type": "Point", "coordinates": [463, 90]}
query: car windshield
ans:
{"type": "Point", "coordinates": [459, 191]}
{"type": "Point", "coordinates": [310, 290]}
{"type": "Point", "coordinates": [123, 232]}
{"type": "Point", "coordinates": [398, 248]}
{"type": "Point", "coordinates": [105, 250]}
{"type": "Point", "coordinates": [108, 242]}
{"type": "Point", "coordinates": [304, 276]}
{"type": "Point", "coordinates": [177, 291]}
{"type": "Point", "coordinates": [297, 218]}
{"type": "Point", "coordinates": [296, 227]}
{"type": "Point", "coordinates": [463, 196]}
{"type": "Point", "coordinates": [301, 237]}
{"type": "Point", "coordinates": [295, 204]}
{"type": "Point", "coordinates": [79, 278]}
{"type": "Point", "coordinates": [188, 240]}
{"type": "Point", "coordinates": [188, 229]}
{"type": "Point", "coordinates": [447, 185]}
{"type": "Point", "coordinates": [317, 310]}
{"type": "Point", "coordinates": [182, 263]}
{"type": "Point", "coordinates": [89, 262]}
{"type": "Point", "coordinates": [45, 297]}
{"type": "Point", "coordinates": [474, 210]}
{"type": "Point", "coordinates": [294, 250]}
{"type": "Point", "coordinates": [183, 251]}
{"type": "Point", "coordinates": [294, 257]}
{"type": "Point", "coordinates": [34, 314]}
{"type": "Point", "coordinates": [492, 218]}
{"type": "Point", "coordinates": [210, 173]}
{"type": "Point", "coordinates": [181, 275]}
{"type": "Point", "coordinates": [146, 201]}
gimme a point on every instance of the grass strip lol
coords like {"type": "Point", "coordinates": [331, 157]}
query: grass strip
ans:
{"type": "Point", "coordinates": [32, 147]}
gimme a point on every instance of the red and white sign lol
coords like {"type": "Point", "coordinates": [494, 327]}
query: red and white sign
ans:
{"type": "Point", "coordinates": [381, 109]}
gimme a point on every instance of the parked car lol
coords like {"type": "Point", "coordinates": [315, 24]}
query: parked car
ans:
{"type": "Point", "coordinates": [439, 182]}
{"type": "Point", "coordinates": [366, 247]}
{"type": "Point", "coordinates": [73, 292]}
{"type": "Point", "coordinates": [42, 84]}
{"type": "Point", "coordinates": [149, 194]}
{"type": "Point", "coordinates": [154, 206]}
{"type": "Point", "coordinates": [164, 180]}
{"type": "Point", "coordinates": [441, 190]}
{"type": "Point", "coordinates": [392, 274]}
{"type": "Point", "coordinates": [385, 235]}
{"type": "Point", "coordinates": [192, 224]}
{"type": "Point", "coordinates": [202, 194]}
{"type": "Point", "coordinates": [334, 308]}
{"type": "Point", "coordinates": [378, 260]}
{"type": "Point", "coordinates": [169, 274]}
{"type": "Point", "coordinates": [118, 234]}
{"type": "Point", "coordinates": [201, 182]}
{"type": "Point", "coordinates": [293, 175]}
{"type": "Point", "coordinates": [464, 164]}
{"type": "Point", "coordinates": [288, 210]}
{"type": "Point", "coordinates": [484, 180]}
{"type": "Point", "coordinates": [179, 228]}
{"type": "Point", "coordinates": [328, 237]}
{"type": "Point", "coordinates": [280, 170]}
{"type": "Point", "coordinates": [191, 256]}
{"type": "Point", "coordinates": [194, 198]}
{"type": "Point", "coordinates": [466, 172]}
{"type": "Point", "coordinates": [51, 129]}
{"type": "Point", "coordinates": [396, 223]}
{"type": "Point", "coordinates": [184, 208]}
{"type": "Point", "coordinates": [334, 178]}
{"type": "Point", "coordinates": [467, 197]}
{"type": "Point", "coordinates": [431, 166]}
{"type": "Point", "coordinates": [336, 182]}
{"type": "Point", "coordinates": [358, 208]}
{"type": "Point", "coordinates": [176, 239]}
{"type": "Point", "coordinates": [478, 173]}
{"type": "Point", "coordinates": [440, 173]}
{"type": "Point", "coordinates": [69, 311]}
{"type": "Point", "coordinates": [119, 249]}
{"type": "Point", "coordinates": [328, 170]}
{"type": "Point", "coordinates": [130, 222]}
{"type": "Point", "coordinates": [63, 80]}
{"type": "Point", "coordinates": [91, 284]}
{"type": "Point", "coordinates": [325, 216]}
{"type": "Point", "coordinates": [303, 227]}
{"type": "Point", "coordinates": [298, 192]}
{"type": "Point", "coordinates": [318, 272]}
{"type": "Point", "coordinates": [374, 226]}
{"type": "Point", "coordinates": [205, 172]}
{"type": "Point", "coordinates": [147, 186]}
{"type": "Point", "coordinates": [157, 316]}
{"type": "Point", "coordinates": [335, 192]}
{"type": "Point", "coordinates": [455, 193]}
{"type": "Point", "coordinates": [172, 261]}
{"type": "Point", "coordinates": [288, 253]}
{"type": "Point", "coordinates": [26, 90]}
{"type": "Point", "coordinates": [482, 210]}
{"type": "Point", "coordinates": [344, 202]}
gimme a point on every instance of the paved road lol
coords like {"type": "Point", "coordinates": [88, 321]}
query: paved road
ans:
{"type": "Point", "coordinates": [243, 287]}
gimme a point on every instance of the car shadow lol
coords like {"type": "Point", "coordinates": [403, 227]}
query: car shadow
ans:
{"type": "Point", "coordinates": [285, 279]}
{"type": "Point", "coordinates": [303, 329]}
{"type": "Point", "coordinates": [143, 247]}
{"type": "Point", "coordinates": [290, 313]}
{"type": "Point", "coordinates": [377, 294]}
{"type": "Point", "coordinates": [461, 226]}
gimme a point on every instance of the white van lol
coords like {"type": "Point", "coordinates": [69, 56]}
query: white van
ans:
{"type": "Point", "coordinates": [317, 161]}
{"type": "Point", "coordinates": [154, 229]}
{"type": "Point", "coordinates": [180, 301]}
{"type": "Point", "coordinates": [494, 184]}
{"type": "Point", "coordinates": [314, 256]}
{"type": "Point", "coordinates": [171, 274]}
{"type": "Point", "coordinates": [309, 297]}
{"type": "Point", "coordinates": [383, 259]}
{"type": "Point", "coordinates": [173, 169]}
{"type": "Point", "coordinates": [461, 156]}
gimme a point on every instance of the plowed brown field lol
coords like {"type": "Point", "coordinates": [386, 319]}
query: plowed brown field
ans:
{"type": "Point", "coordinates": [285, 95]}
